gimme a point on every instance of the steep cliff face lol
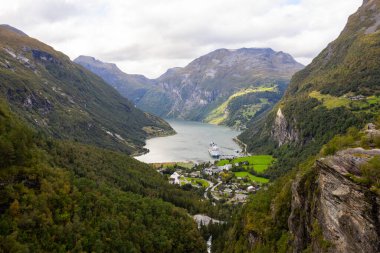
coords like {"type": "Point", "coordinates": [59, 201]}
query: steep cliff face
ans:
{"type": "Point", "coordinates": [282, 131]}
{"type": "Point", "coordinates": [332, 213]}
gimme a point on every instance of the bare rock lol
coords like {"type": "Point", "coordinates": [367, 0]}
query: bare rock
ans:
{"type": "Point", "coordinates": [332, 213]}
{"type": "Point", "coordinates": [282, 131]}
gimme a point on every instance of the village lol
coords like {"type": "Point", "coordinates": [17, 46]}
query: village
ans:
{"type": "Point", "coordinates": [227, 180]}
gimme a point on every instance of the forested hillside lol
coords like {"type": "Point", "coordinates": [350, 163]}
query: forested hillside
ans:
{"type": "Point", "coordinates": [325, 134]}
{"type": "Point", "coordinates": [62, 196]}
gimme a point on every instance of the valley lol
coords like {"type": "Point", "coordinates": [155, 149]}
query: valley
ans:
{"type": "Point", "coordinates": [239, 151]}
{"type": "Point", "coordinates": [226, 86]}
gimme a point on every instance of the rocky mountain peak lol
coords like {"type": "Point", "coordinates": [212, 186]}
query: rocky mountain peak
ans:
{"type": "Point", "coordinates": [91, 61]}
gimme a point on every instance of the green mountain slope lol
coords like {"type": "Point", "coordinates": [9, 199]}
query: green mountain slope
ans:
{"type": "Point", "coordinates": [244, 106]}
{"type": "Point", "coordinates": [328, 201]}
{"type": "Point", "coordinates": [62, 196]}
{"type": "Point", "coordinates": [339, 89]}
{"type": "Point", "coordinates": [197, 90]}
{"type": "Point", "coordinates": [67, 101]}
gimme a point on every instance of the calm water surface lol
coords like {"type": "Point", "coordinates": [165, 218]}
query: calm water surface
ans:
{"type": "Point", "coordinates": [190, 143]}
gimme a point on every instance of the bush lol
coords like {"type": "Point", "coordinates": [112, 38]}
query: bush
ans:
{"type": "Point", "coordinates": [371, 171]}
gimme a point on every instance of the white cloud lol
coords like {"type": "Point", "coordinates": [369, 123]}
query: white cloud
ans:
{"type": "Point", "coordinates": [150, 36]}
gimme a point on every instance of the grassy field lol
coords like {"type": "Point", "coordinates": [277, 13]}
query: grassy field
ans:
{"type": "Point", "coordinates": [373, 100]}
{"type": "Point", "coordinates": [261, 161]}
{"type": "Point", "coordinates": [330, 101]}
{"type": "Point", "coordinates": [253, 178]}
{"type": "Point", "coordinates": [195, 181]}
{"type": "Point", "coordinates": [260, 167]}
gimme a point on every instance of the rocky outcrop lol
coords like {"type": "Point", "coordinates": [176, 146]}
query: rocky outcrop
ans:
{"type": "Point", "coordinates": [282, 131]}
{"type": "Point", "coordinates": [332, 213]}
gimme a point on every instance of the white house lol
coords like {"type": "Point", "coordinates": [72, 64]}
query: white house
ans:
{"type": "Point", "coordinates": [225, 167]}
{"type": "Point", "coordinates": [251, 188]}
{"type": "Point", "coordinates": [174, 178]}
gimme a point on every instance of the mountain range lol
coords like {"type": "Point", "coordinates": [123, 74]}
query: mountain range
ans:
{"type": "Point", "coordinates": [223, 87]}
{"type": "Point", "coordinates": [67, 101]}
{"type": "Point", "coordinates": [67, 183]}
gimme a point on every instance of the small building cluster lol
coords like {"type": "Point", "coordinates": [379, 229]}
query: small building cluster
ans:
{"type": "Point", "coordinates": [357, 98]}
{"type": "Point", "coordinates": [220, 184]}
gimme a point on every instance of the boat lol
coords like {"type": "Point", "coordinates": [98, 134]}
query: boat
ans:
{"type": "Point", "coordinates": [213, 150]}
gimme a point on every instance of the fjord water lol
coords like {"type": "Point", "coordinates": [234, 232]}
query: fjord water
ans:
{"type": "Point", "coordinates": [190, 143]}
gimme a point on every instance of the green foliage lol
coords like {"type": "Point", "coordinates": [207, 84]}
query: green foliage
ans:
{"type": "Point", "coordinates": [241, 107]}
{"type": "Point", "coordinates": [371, 171]}
{"type": "Point", "coordinates": [316, 125]}
{"type": "Point", "coordinates": [65, 214]}
{"type": "Point", "coordinates": [316, 103]}
{"type": "Point", "coordinates": [69, 197]}
{"type": "Point", "coordinates": [122, 171]}
{"type": "Point", "coordinates": [252, 160]}
{"type": "Point", "coordinates": [263, 219]}
{"type": "Point", "coordinates": [16, 142]}
{"type": "Point", "coordinates": [198, 181]}
{"type": "Point", "coordinates": [342, 141]}
{"type": "Point", "coordinates": [348, 66]}
{"type": "Point", "coordinates": [251, 177]}
{"type": "Point", "coordinates": [317, 236]}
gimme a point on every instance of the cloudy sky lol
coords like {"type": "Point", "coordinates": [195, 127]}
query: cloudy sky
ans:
{"type": "Point", "coordinates": [150, 36]}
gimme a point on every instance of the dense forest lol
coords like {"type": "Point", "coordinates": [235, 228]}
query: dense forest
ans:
{"type": "Point", "coordinates": [63, 196]}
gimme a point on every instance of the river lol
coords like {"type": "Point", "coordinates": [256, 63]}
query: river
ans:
{"type": "Point", "coordinates": [190, 143]}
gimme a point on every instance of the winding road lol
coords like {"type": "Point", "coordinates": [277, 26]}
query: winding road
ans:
{"type": "Point", "coordinates": [213, 189]}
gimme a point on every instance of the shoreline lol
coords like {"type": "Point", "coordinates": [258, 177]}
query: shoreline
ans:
{"type": "Point", "coordinates": [242, 145]}
{"type": "Point", "coordinates": [182, 128]}
{"type": "Point", "coordinates": [145, 151]}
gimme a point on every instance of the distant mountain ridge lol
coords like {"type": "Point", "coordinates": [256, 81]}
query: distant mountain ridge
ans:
{"type": "Point", "coordinates": [194, 91]}
{"type": "Point", "coordinates": [131, 86]}
{"type": "Point", "coordinates": [67, 101]}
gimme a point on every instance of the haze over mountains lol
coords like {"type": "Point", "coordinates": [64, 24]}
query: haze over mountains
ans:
{"type": "Point", "coordinates": [196, 91]}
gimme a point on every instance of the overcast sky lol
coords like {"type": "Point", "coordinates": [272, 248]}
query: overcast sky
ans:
{"type": "Point", "coordinates": [149, 36]}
